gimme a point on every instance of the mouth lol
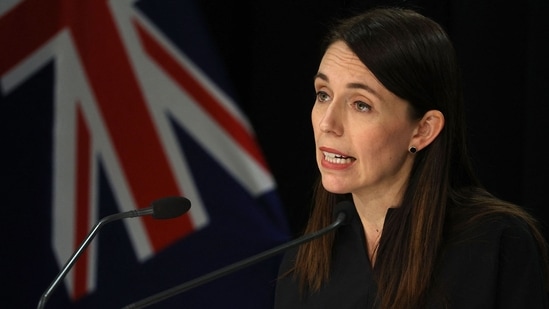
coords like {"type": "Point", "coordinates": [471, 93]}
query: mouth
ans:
{"type": "Point", "coordinates": [337, 159]}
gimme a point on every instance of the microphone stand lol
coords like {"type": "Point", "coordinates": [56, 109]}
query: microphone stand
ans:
{"type": "Point", "coordinates": [164, 208]}
{"type": "Point", "coordinates": [235, 266]}
{"type": "Point", "coordinates": [84, 245]}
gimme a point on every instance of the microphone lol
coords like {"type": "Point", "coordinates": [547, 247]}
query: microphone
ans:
{"type": "Point", "coordinates": [343, 213]}
{"type": "Point", "coordinates": [164, 208]}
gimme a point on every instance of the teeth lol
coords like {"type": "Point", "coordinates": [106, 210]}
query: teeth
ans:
{"type": "Point", "coordinates": [336, 159]}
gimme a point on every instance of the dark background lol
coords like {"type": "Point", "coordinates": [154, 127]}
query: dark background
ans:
{"type": "Point", "coordinates": [271, 51]}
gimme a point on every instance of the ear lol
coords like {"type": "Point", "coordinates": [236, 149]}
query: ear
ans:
{"type": "Point", "coordinates": [428, 129]}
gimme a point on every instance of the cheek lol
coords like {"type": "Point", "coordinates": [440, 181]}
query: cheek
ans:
{"type": "Point", "coordinates": [382, 143]}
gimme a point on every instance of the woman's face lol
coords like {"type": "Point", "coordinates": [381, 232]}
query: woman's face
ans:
{"type": "Point", "coordinates": [362, 131]}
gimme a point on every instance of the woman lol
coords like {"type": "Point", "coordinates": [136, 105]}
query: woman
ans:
{"type": "Point", "coordinates": [390, 137]}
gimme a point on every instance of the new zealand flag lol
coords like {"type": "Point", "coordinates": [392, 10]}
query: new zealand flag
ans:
{"type": "Point", "coordinates": [106, 106]}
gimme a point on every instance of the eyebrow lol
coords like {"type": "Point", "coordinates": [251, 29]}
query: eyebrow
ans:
{"type": "Point", "coordinates": [350, 85]}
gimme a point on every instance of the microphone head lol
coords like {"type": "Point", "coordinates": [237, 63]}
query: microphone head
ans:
{"type": "Point", "coordinates": [344, 211]}
{"type": "Point", "coordinates": [170, 207]}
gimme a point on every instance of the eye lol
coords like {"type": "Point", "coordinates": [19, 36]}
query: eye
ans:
{"type": "Point", "coordinates": [362, 107]}
{"type": "Point", "coordinates": [322, 96]}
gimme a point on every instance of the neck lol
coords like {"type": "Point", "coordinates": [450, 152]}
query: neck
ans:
{"type": "Point", "coordinates": [372, 216]}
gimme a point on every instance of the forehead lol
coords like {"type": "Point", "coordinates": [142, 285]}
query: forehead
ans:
{"type": "Point", "coordinates": [341, 65]}
{"type": "Point", "coordinates": [340, 56]}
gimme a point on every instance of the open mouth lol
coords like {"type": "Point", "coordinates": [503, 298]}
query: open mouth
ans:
{"type": "Point", "coordinates": [337, 159]}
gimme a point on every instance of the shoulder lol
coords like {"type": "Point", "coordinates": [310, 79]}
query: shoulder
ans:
{"type": "Point", "coordinates": [493, 252]}
{"type": "Point", "coordinates": [494, 227]}
{"type": "Point", "coordinates": [491, 243]}
{"type": "Point", "coordinates": [480, 212]}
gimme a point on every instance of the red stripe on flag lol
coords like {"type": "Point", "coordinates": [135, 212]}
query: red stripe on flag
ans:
{"type": "Point", "coordinates": [209, 103]}
{"type": "Point", "coordinates": [82, 202]}
{"type": "Point", "coordinates": [126, 115]}
{"type": "Point", "coordinates": [35, 21]}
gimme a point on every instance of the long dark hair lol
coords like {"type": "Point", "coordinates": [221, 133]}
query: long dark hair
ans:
{"type": "Point", "coordinates": [412, 56]}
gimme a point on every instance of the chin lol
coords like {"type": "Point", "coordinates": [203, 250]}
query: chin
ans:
{"type": "Point", "coordinates": [334, 188]}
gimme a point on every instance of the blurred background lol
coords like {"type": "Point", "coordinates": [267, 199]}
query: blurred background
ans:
{"type": "Point", "coordinates": [108, 106]}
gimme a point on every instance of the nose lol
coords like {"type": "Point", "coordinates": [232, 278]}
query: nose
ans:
{"type": "Point", "coordinates": [331, 120]}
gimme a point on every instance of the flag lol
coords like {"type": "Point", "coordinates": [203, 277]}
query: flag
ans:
{"type": "Point", "coordinates": [108, 106]}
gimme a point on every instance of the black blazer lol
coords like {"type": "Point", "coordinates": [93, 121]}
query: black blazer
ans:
{"type": "Point", "coordinates": [494, 264]}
